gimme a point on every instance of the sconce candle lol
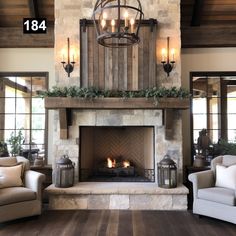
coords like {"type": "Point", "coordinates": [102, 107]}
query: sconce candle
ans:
{"type": "Point", "coordinates": [168, 64]}
{"type": "Point", "coordinates": [113, 23]}
{"type": "Point", "coordinates": [69, 67]}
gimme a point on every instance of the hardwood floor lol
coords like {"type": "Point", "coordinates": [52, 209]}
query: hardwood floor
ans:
{"type": "Point", "coordinates": [120, 223]}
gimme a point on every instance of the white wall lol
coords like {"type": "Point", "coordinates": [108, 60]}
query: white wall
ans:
{"type": "Point", "coordinates": [202, 59]}
{"type": "Point", "coordinates": [31, 60]}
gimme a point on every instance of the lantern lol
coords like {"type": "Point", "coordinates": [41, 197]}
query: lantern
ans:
{"type": "Point", "coordinates": [64, 176]}
{"type": "Point", "coordinates": [167, 173]}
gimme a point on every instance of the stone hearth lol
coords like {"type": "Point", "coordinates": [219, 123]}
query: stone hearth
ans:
{"type": "Point", "coordinates": [133, 196]}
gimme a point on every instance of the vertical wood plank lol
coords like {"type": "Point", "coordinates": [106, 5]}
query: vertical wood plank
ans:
{"type": "Point", "coordinates": [84, 57]}
{"type": "Point", "coordinates": [140, 59]}
{"type": "Point", "coordinates": [101, 67]}
{"type": "Point", "coordinates": [135, 70]}
{"type": "Point", "coordinates": [95, 61]}
{"type": "Point", "coordinates": [152, 58]}
{"type": "Point", "coordinates": [90, 56]}
{"type": "Point", "coordinates": [129, 68]}
{"type": "Point", "coordinates": [108, 69]}
{"type": "Point", "coordinates": [122, 76]}
{"type": "Point", "coordinates": [115, 68]}
{"type": "Point", "coordinates": [146, 42]}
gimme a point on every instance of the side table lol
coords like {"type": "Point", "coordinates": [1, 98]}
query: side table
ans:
{"type": "Point", "coordinates": [47, 170]}
{"type": "Point", "coordinates": [190, 170]}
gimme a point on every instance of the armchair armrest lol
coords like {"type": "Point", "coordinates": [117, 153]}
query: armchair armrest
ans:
{"type": "Point", "coordinates": [202, 179]}
{"type": "Point", "coordinates": [34, 180]}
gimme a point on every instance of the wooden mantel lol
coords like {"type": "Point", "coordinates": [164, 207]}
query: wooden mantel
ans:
{"type": "Point", "coordinates": [66, 104]}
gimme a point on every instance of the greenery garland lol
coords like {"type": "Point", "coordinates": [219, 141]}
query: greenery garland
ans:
{"type": "Point", "coordinates": [77, 92]}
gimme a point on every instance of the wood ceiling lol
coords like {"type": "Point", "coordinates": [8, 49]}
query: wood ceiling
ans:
{"type": "Point", "coordinates": [208, 23]}
{"type": "Point", "coordinates": [12, 13]}
{"type": "Point", "coordinates": [204, 23]}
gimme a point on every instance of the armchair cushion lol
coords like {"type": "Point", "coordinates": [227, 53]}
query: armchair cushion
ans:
{"type": "Point", "coordinates": [8, 161]}
{"type": "Point", "coordinates": [10, 176]}
{"type": "Point", "coordinates": [16, 194]}
{"type": "Point", "coordinates": [226, 176]}
{"type": "Point", "coordinates": [217, 194]}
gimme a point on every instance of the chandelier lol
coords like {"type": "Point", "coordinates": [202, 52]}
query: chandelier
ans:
{"type": "Point", "coordinates": [117, 22]}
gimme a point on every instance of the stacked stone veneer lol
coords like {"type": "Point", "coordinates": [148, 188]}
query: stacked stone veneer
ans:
{"type": "Point", "coordinates": [67, 16]}
{"type": "Point", "coordinates": [154, 118]}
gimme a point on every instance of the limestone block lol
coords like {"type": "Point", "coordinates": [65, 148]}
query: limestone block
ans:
{"type": "Point", "coordinates": [119, 202]}
{"type": "Point", "coordinates": [85, 118]}
{"type": "Point", "coordinates": [61, 202]}
{"type": "Point", "coordinates": [110, 120]}
{"type": "Point", "coordinates": [180, 202]}
{"type": "Point", "coordinates": [152, 117]}
{"type": "Point", "coordinates": [133, 120]}
{"type": "Point", "coordinates": [98, 201]}
{"type": "Point", "coordinates": [150, 202]}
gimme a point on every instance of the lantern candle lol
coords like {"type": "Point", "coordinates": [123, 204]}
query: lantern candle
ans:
{"type": "Point", "coordinates": [103, 23]}
{"type": "Point", "coordinates": [132, 25]}
{"type": "Point", "coordinates": [126, 15]}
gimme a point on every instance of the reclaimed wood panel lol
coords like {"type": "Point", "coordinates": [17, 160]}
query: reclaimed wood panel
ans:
{"type": "Point", "coordinates": [132, 68]}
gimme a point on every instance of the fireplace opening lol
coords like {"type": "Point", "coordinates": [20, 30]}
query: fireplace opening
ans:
{"type": "Point", "coordinates": [116, 154]}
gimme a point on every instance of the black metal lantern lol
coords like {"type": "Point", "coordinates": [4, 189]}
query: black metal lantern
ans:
{"type": "Point", "coordinates": [117, 22]}
{"type": "Point", "coordinates": [167, 173]}
{"type": "Point", "coordinates": [64, 177]}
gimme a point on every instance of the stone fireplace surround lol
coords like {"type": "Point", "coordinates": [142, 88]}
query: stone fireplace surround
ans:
{"type": "Point", "coordinates": [101, 195]}
{"type": "Point", "coordinates": [119, 195]}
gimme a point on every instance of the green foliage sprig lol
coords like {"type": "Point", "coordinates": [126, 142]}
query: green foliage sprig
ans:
{"type": "Point", "coordinates": [75, 91]}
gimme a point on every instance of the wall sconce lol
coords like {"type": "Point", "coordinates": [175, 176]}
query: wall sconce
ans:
{"type": "Point", "coordinates": [69, 67]}
{"type": "Point", "coordinates": [168, 64]}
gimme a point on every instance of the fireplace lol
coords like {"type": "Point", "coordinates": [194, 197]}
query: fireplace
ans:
{"type": "Point", "coordinates": [116, 154]}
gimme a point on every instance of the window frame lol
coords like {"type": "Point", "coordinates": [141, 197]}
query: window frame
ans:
{"type": "Point", "coordinates": [206, 74]}
{"type": "Point", "coordinates": [33, 74]}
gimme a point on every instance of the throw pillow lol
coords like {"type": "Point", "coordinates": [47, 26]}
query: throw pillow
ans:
{"type": "Point", "coordinates": [10, 176]}
{"type": "Point", "coordinates": [226, 176]}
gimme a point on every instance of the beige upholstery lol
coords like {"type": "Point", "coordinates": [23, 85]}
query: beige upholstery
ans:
{"type": "Point", "coordinates": [212, 201]}
{"type": "Point", "coordinates": [16, 194]}
{"type": "Point", "coordinates": [18, 202]}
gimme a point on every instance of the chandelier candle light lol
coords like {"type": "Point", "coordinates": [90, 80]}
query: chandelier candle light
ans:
{"type": "Point", "coordinates": [117, 23]}
{"type": "Point", "coordinates": [168, 63]}
{"type": "Point", "coordinates": [69, 67]}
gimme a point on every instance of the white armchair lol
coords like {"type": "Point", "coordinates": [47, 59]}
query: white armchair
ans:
{"type": "Point", "coordinates": [210, 200]}
{"type": "Point", "coordinates": [21, 201]}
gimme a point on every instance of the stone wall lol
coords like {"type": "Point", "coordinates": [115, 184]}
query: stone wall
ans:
{"type": "Point", "coordinates": [67, 16]}
{"type": "Point", "coordinates": [69, 12]}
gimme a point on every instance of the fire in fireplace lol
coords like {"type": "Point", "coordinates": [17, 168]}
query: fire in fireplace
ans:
{"type": "Point", "coordinates": [119, 154]}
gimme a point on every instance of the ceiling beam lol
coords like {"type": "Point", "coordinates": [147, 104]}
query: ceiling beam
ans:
{"type": "Point", "coordinates": [197, 13]}
{"type": "Point", "coordinates": [208, 36]}
{"type": "Point", "coordinates": [13, 37]}
{"type": "Point", "coordinates": [33, 7]}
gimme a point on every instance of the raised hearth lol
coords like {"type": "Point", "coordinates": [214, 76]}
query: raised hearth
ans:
{"type": "Point", "coordinates": [133, 196]}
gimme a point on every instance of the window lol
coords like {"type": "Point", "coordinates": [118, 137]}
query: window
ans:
{"type": "Point", "coordinates": [213, 107]}
{"type": "Point", "coordinates": [23, 111]}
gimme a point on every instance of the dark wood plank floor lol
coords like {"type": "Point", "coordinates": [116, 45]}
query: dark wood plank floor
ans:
{"type": "Point", "coordinates": [120, 223]}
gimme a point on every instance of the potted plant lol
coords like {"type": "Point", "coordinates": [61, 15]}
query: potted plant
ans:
{"type": "Point", "coordinates": [15, 142]}
{"type": "Point", "coordinates": [3, 149]}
